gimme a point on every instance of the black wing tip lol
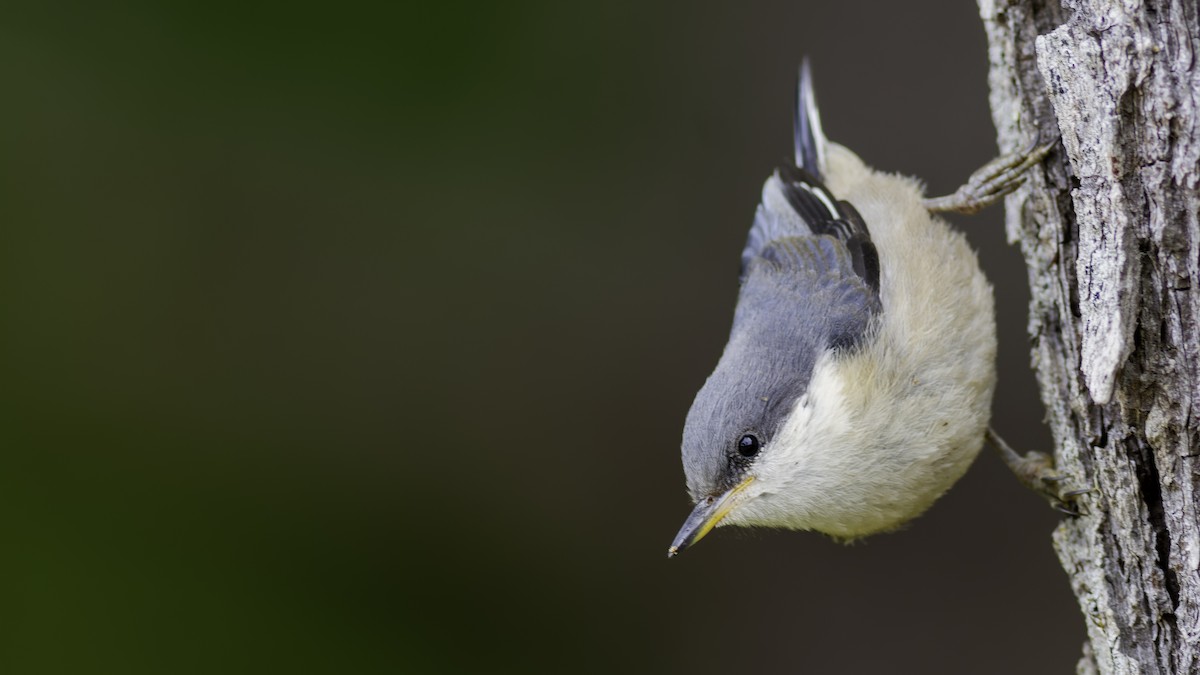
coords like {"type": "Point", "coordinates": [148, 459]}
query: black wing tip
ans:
{"type": "Point", "coordinates": [801, 189]}
{"type": "Point", "coordinates": [826, 215]}
{"type": "Point", "coordinates": [800, 174]}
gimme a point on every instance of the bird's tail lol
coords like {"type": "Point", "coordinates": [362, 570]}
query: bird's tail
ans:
{"type": "Point", "coordinates": [809, 138]}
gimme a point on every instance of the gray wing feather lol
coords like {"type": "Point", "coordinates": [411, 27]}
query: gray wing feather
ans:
{"type": "Point", "coordinates": [805, 291]}
{"type": "Point", "coordinates": [796, 204]}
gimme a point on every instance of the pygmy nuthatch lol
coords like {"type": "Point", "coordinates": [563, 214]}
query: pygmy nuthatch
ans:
{"type": "Point", "coordinates": [857, 382]}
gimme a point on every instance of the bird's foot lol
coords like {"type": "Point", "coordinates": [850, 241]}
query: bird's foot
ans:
{"type": "Point", "coordinates": [992, 182]}
{"type": "Point", "coordinates": [1036, 471]}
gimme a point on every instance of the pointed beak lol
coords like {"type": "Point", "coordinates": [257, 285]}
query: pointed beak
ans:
{"type": "Point", "coordinates": [706, 515]}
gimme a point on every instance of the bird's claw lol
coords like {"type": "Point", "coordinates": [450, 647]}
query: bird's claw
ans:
{"type": "Point", "coordinates": [991, 182]}
{"type": "Point", "coordinates": [1036, 470]}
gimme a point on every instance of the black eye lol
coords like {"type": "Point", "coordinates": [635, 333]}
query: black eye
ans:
{"type": "Point", "coordinates": [749, 445]}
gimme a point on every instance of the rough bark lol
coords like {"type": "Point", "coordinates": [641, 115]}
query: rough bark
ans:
{"type": "Point", "coordinates": [1108, 227]}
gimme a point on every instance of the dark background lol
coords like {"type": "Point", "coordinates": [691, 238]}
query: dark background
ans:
{"type": "Point", "coordinates": [359, 339]}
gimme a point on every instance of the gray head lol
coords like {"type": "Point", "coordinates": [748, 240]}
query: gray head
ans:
{"type": "Point", "coordinates": [763, 371]}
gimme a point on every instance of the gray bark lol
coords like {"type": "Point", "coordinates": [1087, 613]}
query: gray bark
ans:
{"type": "Point", "coordinates": [1108, 227]}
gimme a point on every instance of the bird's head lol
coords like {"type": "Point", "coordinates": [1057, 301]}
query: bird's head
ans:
{"type": "Point", "coordinates": [748, 438]}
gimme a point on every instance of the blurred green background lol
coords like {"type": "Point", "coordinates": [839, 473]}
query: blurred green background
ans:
{"type": "Point", "coordinates": [358, 338]}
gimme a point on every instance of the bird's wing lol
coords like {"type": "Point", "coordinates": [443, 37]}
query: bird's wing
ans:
{"type": "Point", "coordinates": [806, 286]}
{"type": "Point", "coordinates": [809, 265]}
{"type": "Point", "coordinates": [796, 204]}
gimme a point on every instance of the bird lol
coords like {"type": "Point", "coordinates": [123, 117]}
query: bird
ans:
{"type": "Point", "coordinates": [856, 384]}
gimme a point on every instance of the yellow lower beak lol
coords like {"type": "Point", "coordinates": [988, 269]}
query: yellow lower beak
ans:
{"type": "Point", "coordinates": [707, 514]}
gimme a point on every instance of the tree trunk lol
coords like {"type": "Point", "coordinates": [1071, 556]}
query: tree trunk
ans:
{"type": "Point", "coordinates": [1109, 232]}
